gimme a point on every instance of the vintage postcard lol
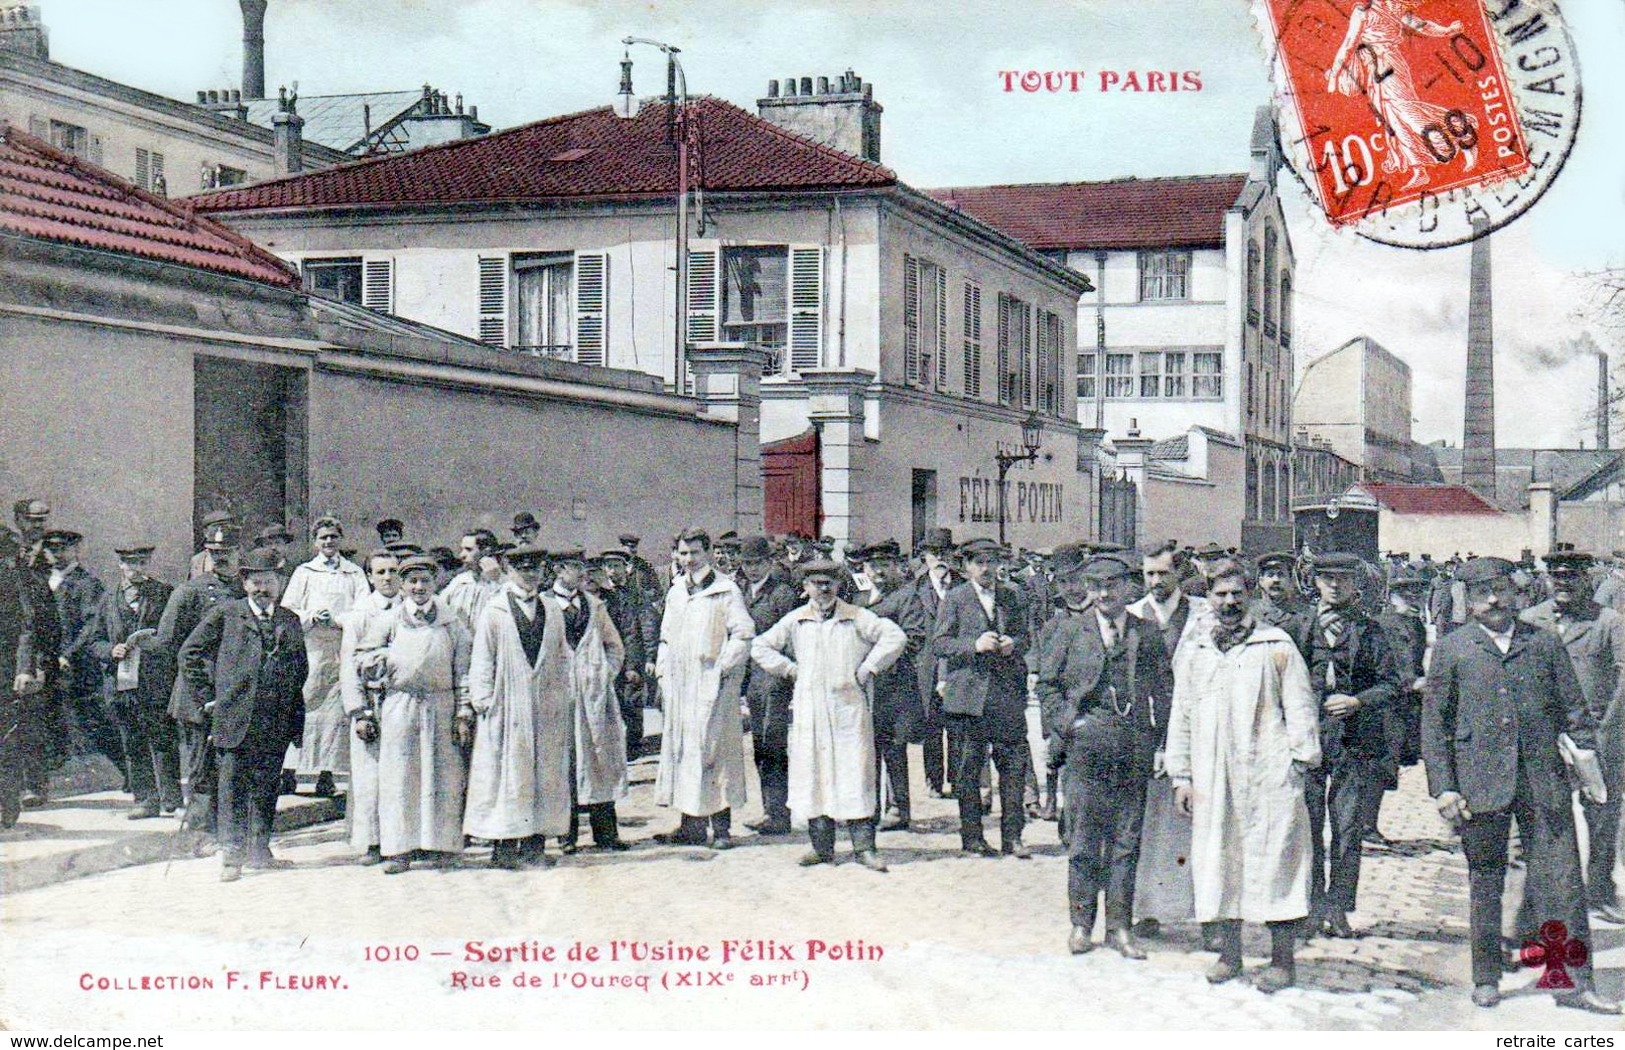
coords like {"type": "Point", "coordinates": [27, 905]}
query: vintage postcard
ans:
{"type": "Point", "coordinates": [1081, 514]}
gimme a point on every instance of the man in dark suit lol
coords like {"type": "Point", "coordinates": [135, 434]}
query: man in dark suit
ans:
{"type": "Point", "coordinates": [136, 677]}
{"type": "Point", "coordinates": [40, 736]}
{"type": "Point", "coordinates": [1105, 686]}
{"type": "Point", "coordinates": [247, 658]}
{"type": "Point", "coordinates": [639, 626]}
{"type": "Point", "coordinates": [981, 634]}
{"type": "Point", "coordinates": [1499, 693]}
{"type": "Point", "coordinates": [1352, 670]}
{"type": "Point", "coordinates": [898, 710]}
{"type": "Point", "coordinates": [933, 584]}
{"type": "Point", "coordinates": [770, 598]}
{"type": "Point", "coordinates": [78, 593]}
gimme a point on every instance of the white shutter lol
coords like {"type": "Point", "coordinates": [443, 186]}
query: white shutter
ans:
{"type": "Point", "coordinates": [378, 285]}
{"type": "Point", "coordinates": [941, 292]}
{"type": "Point", "coordinates": [702, 296]}
{"type": "Point", "coordinates": [494, 300]}
{"type": "Point", "coordinates": [592, 308]}
{"type": "Point", "coordinates": [973, 339]}
{"type": "Point", "coordinates": [911, 319]}
{"type": "Point", "coordinates": [806, 308]}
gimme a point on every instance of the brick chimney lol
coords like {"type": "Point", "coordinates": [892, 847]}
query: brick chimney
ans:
{"type": "Point", "coordinates": [843, 115]}
{"type": "Point", "coordinates": [1478, 430]}
{"type": "Point", "coordinates": [22, 31]}
{"type": "Point", "coordinates": [253, 47]}
{"type": "Point", "coordinates": [287, 127]}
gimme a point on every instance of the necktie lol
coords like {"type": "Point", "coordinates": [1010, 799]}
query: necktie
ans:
{"type": "Point", "coordinates": [1108, 634]}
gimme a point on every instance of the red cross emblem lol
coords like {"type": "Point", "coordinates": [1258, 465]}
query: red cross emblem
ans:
{"type": "Point", "coordinates": [1555, 951]}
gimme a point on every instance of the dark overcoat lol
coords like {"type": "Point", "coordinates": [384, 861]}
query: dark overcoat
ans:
{"type": "Point", "coordinates": [1366, 669]}
{"type": "Point", "coordinates": [1486, 712]}
{"type": "Point", "coordinates": [768, 695]}
{"type": "Point", "coordinates": [77, 598]}
{"type": "Point", "coordinates": [991, 687]}
{"type": "Point", "coordinates": [899, 713]}
{"type": "Point", "coordinates": [187, 606]}
{"type": "Point", "coordinates": [112, 625]}
{"type": "Point", "coordinates": [253, 671]}
{"type": "Point", "coordinates": [1071, 658]}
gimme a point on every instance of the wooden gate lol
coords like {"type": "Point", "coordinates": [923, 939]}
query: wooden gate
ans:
{"type": "Point", "coordinates": [1118, 511]}
{"type": "Point", "coordinates": [791, 500]}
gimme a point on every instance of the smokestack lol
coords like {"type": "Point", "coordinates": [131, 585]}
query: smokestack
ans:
{"type": "Point", "coordinates": [1602, 400]}
{"type": "Point", "coordinates": [1478, 437]}
{"type": "Point", "coordinates": [253, 47]}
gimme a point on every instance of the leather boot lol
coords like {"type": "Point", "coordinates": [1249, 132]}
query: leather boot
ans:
{"type": "Point", "coordinates": [1051, 782]}
{"type": "Point", "coordinates": [863, 844]}
{"type": "Point", "coordinates": [689, 832]}
{"type": "Point", "coordinates": [721, 828]}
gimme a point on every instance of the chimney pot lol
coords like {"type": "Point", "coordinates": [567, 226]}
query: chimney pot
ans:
{"type": "Point", "coordinates": [823, 85]}
{"type": "Point", "coordinates": [202, 97]}
{"type": "Point", "coordinates": [789, 87]}
{"type": "Point", "coordinates": [236, 95]}
{"type": "Point", "coordinates": [772, 89]}
{"type": "Point", "coordinates": [806, 85]}
{"type": "Point", "coordinates": [427, 92]}
{"type": "Point", "coordinates": [473, 113]}
{"type": "Point", "coordinates": [459, 103]}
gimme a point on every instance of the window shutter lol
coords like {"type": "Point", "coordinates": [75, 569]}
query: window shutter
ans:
{"type": "Point", "coordinates": [159, 183]}
{"type": "Point", "coordinates": [1003, 355]}
{"type": "Point", "coordinates": [941, 292]}
{"type": "Point", "coordinates": [96, 150]}
{"type": "Point", "coordinates": [592, 308]}
{"type": "Point", "coordinates": [973, 339]}
{"type": "Point", "coordinates": [703, 300]}
{"type": "Point", "coordinates": [494, 300]}
{"type": "Point", "coordinates": [143, 169]}
{"type": "Point", "coordinates": [911, 319]}
{"type": "Point", "coordinates": [806, 308]}
{"type": "Point", "coordinates": [378, 285]}
{"type": "Point", "coordinates": [1045, 351]}
{"type": "Point", "coordinates": [39, 127]}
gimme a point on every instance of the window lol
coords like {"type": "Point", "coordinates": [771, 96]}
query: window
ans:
{"type": "Point", "coordinates": [973, 339]}
{"type": "Point", "coordinates": [149, 171]}
{"type": "Point", "coordinates": [1207, 374]}
{"type": "Point", "coordinates": [1269, 281]}
{"type": "Point", "coordinates": [1051, 345]}
{"type": "Point", "coordinates": [70, 137]}
{"type": "Point", "coordinates": [1086, 377]}
{"type": "Point", "coordinates": [219, 176]}
{"type": "Point", "coordinates": [1015, 351]}
{"type": "Point", "coordinates": [544, 290]}
{"type": "Point", "coordinates": [1173, 373]}
{"type": "Point", "coordinates": [925, 322]}
{"type": "Point", "coordinates": [1252, 282]}
{"type": "Point", "coordinates": [1150, 373]}
{"type": "Point", "coordinates": [1286, 310]}
{"type": "Point", "coordinates": [1119, 375]}
{"type": "Point", "coordinates": [1250, 402]}
{"type": "Point", "coordinates": [1165, 275]}
{"type": "Point", "coordinates": [756, 297]}
{"type": "Point", "coordinates": [334, 278]}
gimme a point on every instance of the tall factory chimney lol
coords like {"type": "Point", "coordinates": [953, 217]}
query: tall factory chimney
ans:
{"type": "Point", "coordinates": [253, 48]}
{"type": "Point", "coordinates": [1478, 437]}
{"type": "Point", "coordinates": [1602, 400]}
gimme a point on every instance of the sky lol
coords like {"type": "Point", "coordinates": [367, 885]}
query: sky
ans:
{"type": "Point", "coordinates": [949, 120]}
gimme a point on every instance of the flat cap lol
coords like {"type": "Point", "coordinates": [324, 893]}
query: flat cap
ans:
{"type": "Point", "coordinates": [525, 552]}
{"type": "Point", "coordinates": [419, 563]}
{"type": "Point", "coordinates": [755, 548]}
{"type": "Point", "coordinates": [273, 532]}
{"type": "Point", "coordinates": [1407, 577]}
{"type": "Point", "coordinates": [218, 517]}
{"type": "Point", "coordinates": [401, 549]}
{"type": "Point", "coordinates": [1569, 561]}
{"type": "Point", "coordinates": [1214, 550]}
{"type": "Point", "coordinates": [1068, 560]}
{"type": "Point", "coordinates": [1275, 559]}
{"type": "Point", "coordinates": [826, 567]}
{"type": "Point", "coordinates": [1483, 570]}
{"type": "Point", "coordinates": [885, 549]}
{"type": "Point", "coordinates": [60, 538]}
{"type": "Point", "coordinates": [980, 546]}
{"type": "Point", "coordinates": [31, 508]}
{"type": "Point", "coordinates": [1108, 566]}
{"type": "Point", "coordinates": [570, 552]}
{"type": "Point", "coordinates": [611, 554]}
{"type": "Point", "coordinates": [134, 550]}
{"type": "Point", "coordinates": [1338, 561]}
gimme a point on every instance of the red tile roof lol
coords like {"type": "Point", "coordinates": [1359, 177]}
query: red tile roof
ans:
{"type": "Point", "coordinates": [55, 196]}
{"type": "Point", "coordinates": [1123, 213]}
{"type": "Point", "coordinates": [1428, 499]}
{"type": "Point", "coordinates": [588, 155]}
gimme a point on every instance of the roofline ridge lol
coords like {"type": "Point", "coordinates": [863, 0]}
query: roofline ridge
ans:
{"type": "Point", "coordinates": [183, 210]}
{"type": "Point", "coordinates": [1090, 182]}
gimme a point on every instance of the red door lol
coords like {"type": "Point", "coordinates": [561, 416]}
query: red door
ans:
{"type": "Point", "coordinates": [790, 495]}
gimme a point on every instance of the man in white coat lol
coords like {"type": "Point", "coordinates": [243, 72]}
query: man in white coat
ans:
{"type": "Point", "coordinates": [519, 772]}
{"type": "Point", "coordinates": [423, 717]}
{"type": "Point", "coordinates": [1243, 732]}
{"type": "Point", "coordinates": [705, 638]}
{"type": "Point", "coordinates": [363, 631]}
{"type": "Point", "coordinates": [594, 653]}
{"type": "Point", "coordinates": [320, 592]}
{"type": "Point", "coordinates": [832, 651]}
{"type": "Point", "coordinates": [467, 593]}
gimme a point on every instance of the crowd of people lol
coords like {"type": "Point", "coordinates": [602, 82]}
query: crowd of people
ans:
{"type": "Point", "coordinates": [1218, 735]}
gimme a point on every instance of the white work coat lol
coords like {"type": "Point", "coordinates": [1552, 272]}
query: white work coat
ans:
{"type": "Point", "coordinates": [1244, 726]}
{"type": "Point", "coordinates": [600, 734]}
{"type": "Point", "coordinates": [315, 586]}
{"type": "Point", "coordinates": [519, 773]}
{"type": "Point", "coordinates": [421, 777]}
{"type": "Point", "coordinates": [467, 595]}
{"type": "Point", "coordinates": [704, 643]}
{"type": "Point", "coordinates": [832, 735]}
{"type": "Point", "coordinates": [362, 631]}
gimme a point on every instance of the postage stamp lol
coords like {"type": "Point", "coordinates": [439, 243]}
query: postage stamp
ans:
{"type": "Point", "coordinates": [1424, 123]}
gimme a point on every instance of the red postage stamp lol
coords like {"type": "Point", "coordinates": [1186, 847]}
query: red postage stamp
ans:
{"type": "Point", "coordinates": [1398, 100]}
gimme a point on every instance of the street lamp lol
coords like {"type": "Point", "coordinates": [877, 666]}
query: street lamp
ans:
{"type": "Point", "coordinates": [677, 125]}
{"type": "Point", "coordinates": [1032, 438]}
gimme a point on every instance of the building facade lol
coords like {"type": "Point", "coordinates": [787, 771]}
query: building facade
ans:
{"type": "Point", "coordinates": [162, 145]}
{"type": "Point", "coordinates": [1356, 400]}
{"type": "Point", "coordinates": [1190, 320]}
{"type": "Point", "coordinates": [906, 342]}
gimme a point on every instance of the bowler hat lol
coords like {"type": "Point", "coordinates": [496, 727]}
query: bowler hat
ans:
{"type": "Point", "coordinates": [1569, 561]}
{"type": "Point", "coordinates": [525, 552]}
{"type": "Point", "coordinates": [261, 560]}
{"type": "Point", "coordinates": [937, 539]}
{"type": "Point", "coordinates": [1068, 560]}
{"type": "Point", "coordinates": [1214, 551]}
{"type": "Point", "coordinates": [628, 539]}
{"type": "Point", "coordinates": [755, 548]}
{"type": "Point", "coordinates": [273, 532]}
{"type": "Point", "coordinates": [390, 525]}
{"type": "Point", "coordinates": [1108, 567]}
{"type": "Point", "coordinates": [982, 546]}
{"type": "Point", "coordinates": [525, 520]}
{"type": "Point", "coordinates": [134, 550]}
{"type": "Point", "coordinates": [1483, 570]}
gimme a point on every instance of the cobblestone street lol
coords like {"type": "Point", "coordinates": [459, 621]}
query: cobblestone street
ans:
{"type": "Point", "coordinates": [966, 942]}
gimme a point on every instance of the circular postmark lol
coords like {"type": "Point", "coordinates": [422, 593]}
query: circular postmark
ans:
{"type": "Point", "coordinates": [1424, 123]}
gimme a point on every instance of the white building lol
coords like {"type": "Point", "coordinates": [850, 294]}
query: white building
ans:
{"type": "Point", "coordinates": [905, 342]}
{"type": "Point", "coordinates": [1190, 323]}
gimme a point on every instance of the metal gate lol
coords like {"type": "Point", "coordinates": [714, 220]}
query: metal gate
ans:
{"type": "Point", "coordinates": [1119, 500]}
